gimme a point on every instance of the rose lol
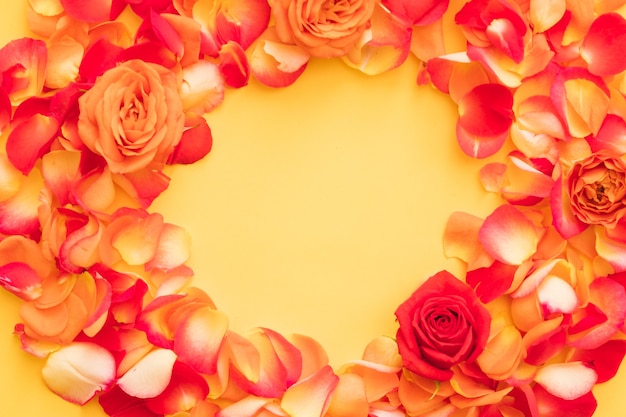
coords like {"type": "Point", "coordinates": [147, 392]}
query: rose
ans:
{"type": "Point", "coordinates": [441, 325]}
{"type": "Point", "coordinates": [132, 116]}
{"type": "Point", "coordinates": [596, 187]}
{"type": "Point", "coordinates": [326, 28]}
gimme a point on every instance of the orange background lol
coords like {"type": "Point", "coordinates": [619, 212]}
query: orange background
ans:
{"type": "Point", "coordinates": [319, 210]}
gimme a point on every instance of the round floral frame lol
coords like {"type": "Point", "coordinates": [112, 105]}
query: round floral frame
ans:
{"type": "Point", "coordinates": [94, 106]}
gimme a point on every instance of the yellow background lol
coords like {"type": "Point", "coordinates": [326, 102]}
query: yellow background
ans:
{"type": "Point", "coordinates": [319, 210]}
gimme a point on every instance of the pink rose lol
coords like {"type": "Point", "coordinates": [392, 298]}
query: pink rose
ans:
{"type": "Point", "coordinates": [442, 324]}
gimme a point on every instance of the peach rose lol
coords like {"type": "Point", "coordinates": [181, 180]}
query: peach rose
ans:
{"type": "Point", "coordinates": [132, 116]}
{"type": "Point", "coordinates": [325, 28]}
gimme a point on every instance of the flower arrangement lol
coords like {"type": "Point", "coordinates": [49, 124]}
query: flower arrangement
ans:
{"type": "Point", "coordinates": [95, 107]}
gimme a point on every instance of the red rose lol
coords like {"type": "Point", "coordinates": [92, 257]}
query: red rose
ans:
{"type": "Point", "coordinates": [441, 325]}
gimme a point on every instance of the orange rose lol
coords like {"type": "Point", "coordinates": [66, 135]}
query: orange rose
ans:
{"type": "Point", "coordinates": [326, 28]}
{"type": "Point", "coordinates": [132, 116]}
{"type": "Point", "coordinates": [597, 189]}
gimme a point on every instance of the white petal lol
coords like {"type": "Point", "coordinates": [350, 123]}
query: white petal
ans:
{"type": "Point", "coordinates": [78, 371]}
{"type": "Point", "coordinates": [150, 376]}
{"type": "Point", "coordinates": [557, 295]}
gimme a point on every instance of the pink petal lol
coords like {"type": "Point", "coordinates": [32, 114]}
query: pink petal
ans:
{"type": "Point", "coordinates": [186, 389]}
{"type": "Point", "coordinates": [485, 115]}
{"type": "Point", "coordinates": [563, 219]}
{"type": "Point", "coordinates": [150, 376]}
{"type": "Point", "coordinates": [611, 136]}
{"type": "Point", "coordinates": [242, 21]}
{"type": "Point", "coordinates": [486, 110]}
{"type": "Point", "coordinates": [29, 140]}
{"type": "Point", "coordinates": [116, 402]}
{"type": "Point", "coordinates": [491, 282]}
{"type": "Point", "coordinates": [503, 35]}
{"type": "Point", "coordinates": [508, 235]}
{"type": "Point", "coordinates": [234, 65]}
{"type": "Point", "coordinates": [610, 297]}
{"type": "Point", "coordinates": [196, 142]}
{"type": "Point", "coordinates": [568, 381]}
{"type": "Point", "coordinates": [199, 337]}
{"type": "Point", "coordinates": [21, 280]}
{"type": "Point", "coordinates": [23, 68]}
{"type": "Point", "coordinates": [93, 12]}
{"type": "Point", "coordinates": [166, 33]}
{"type": "Point", "coordinates": [605, 359]}
{"type": "Point", "coordinates": [78, 371]}
{"type": "Point", "coordinates": [310, 397]}
{"type": "Point", "coordinates": [420, 13]}
{"type": "Point", "coordinates": [604, 45]}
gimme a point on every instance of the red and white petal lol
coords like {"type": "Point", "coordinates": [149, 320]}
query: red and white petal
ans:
{"type": "Point", "coordinates": [199, 337]}
{"type": "Point", "coordinates": [567, 380]}
{"type": "Point", "coordinates": [557, 296]}
{"type": "Point", "coordinates": [552, 405]}
{"type": "Point", "coordinates": [78, 371]}
{"type": "Point", "coordinates": [311, 396]}
{"type": "Point", "coordinates": [186, 389]}
{"type": "Point", "coordinates": [508, 235]}
{"type": "Point", "coordinates": [604, 45]}
{"type": "Point", "coordinates": [605, 359]}
{"type": "Point", "coordinates": [150, 376]}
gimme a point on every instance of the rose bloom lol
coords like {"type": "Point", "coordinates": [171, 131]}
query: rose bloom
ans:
{"type": "Point", "coordinates": [441, 325]}
{"type": "Point", "coordinates": [326, 28]}
{"type": "Point", "coordinates": [597, 189]}
{"type": "Point", "coordinates": [132, 116]}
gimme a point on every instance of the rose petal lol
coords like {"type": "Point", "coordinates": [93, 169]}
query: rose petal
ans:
{"type": "Point", "coordinates": [604, 45]}
{"type": "Point", "coordinates": [311, 396]}
{"type": "Point", "coordinates": [568, 381]}
{"type": "Point", "coordinates": [508, 235]}
{"type": "Point", "coordinates": [199, 337]}
{"type": "Point", "coordinates": [150, 376]}
{"type": "Point", "coordinates": [76, 372]}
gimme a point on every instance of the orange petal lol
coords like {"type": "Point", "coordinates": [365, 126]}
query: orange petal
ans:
{"type": "Point", "coordinates": [461, 241]}
{"type": "Point", "coordinates": [348, 399]}
{"type": "Point", "coordinates": [311, 396]}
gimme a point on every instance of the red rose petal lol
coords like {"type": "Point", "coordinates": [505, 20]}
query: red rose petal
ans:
{"type": "Point", "coordinates": [604, 46]}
